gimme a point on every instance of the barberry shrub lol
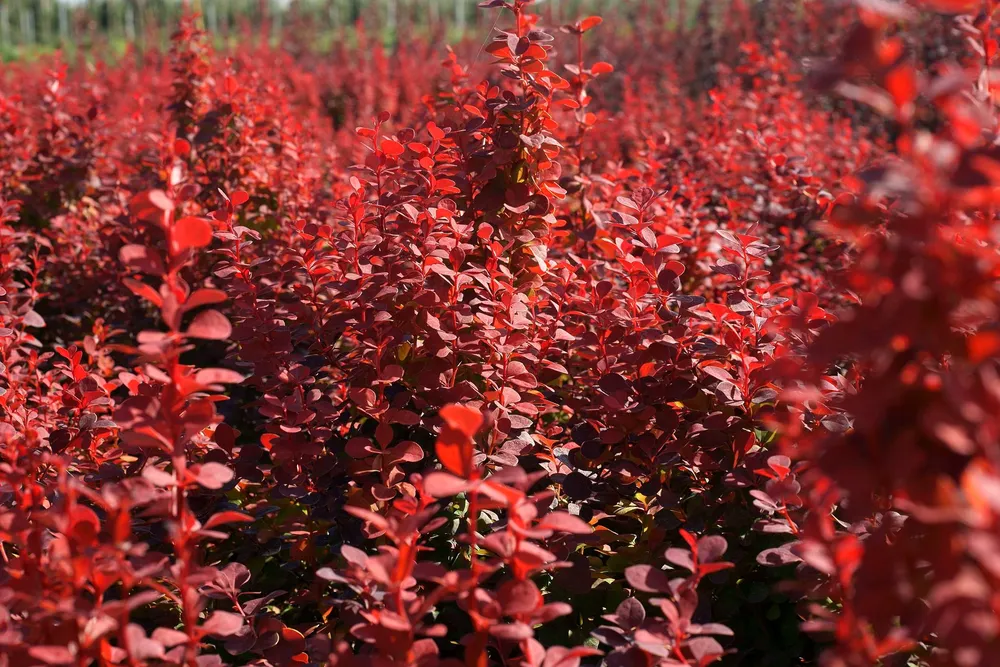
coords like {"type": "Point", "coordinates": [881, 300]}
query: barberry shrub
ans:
{"type": "Point", "coordinates": [669, 343]}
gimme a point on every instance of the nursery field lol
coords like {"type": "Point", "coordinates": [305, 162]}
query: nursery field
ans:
{"type": "Point", "coordinates": [671, 341]}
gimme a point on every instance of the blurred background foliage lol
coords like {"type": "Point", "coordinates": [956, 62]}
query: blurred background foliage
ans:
{"type": "Point", "coordinates": [29, 28]}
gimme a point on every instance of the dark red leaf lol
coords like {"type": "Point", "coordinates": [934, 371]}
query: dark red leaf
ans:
{"type": "Point", "coordinates": [647, 579]}
{"type": "Point", "coordinates": [519, 597]}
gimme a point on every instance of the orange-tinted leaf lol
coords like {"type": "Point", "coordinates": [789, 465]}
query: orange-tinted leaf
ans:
{"type": "Point", "coordinates": [192, 232]}
{"type": "Point", "coordinates": [462, 419]}
{"type": "Point", "coordinates": [436, 132]}
{"type": "Point", "coordinates": [455, 452]}
{"type": "Point", "coordinates": [983, 345]}
{"type": "Point", "coordinates": [229, 516]}
{"type": "Point", "coordinates": [392, 148]}
{"type": "Point", "coordinates": [455, 443]}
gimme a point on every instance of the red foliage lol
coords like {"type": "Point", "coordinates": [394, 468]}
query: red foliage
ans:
{"type": "Point", "coordinates": [628, 349]}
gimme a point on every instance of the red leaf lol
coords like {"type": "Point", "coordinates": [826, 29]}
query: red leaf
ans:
{"type": "Point", "coordinates": [455, 453]}
{"type": "Point", "coordinates": [983, 345]}
{"type": "Point", "coordinates": [159, 477]}
{"type": "Point", "coordinates": [462, 419]}
{"type": "Point", "coordinates": [353, 555]}
{"type": "Point", "coordinates": [363, 397]}
{"type": "Point", "coordinates": [705, 649]}
{"type": "Point", "coordinates": [675, 267]}
{"type": "Point", "coordinates": [711, 568]}
{"type": "Point", "coordinates": [443, 485]}
{"type": "Point", "coordinates": [391, 373]}
{"type": "Point", "coordinates": [213, 475]}
{"type": "Point", "coordinates": [680, 557]}
{"type": "Point", "coordinates": [901, 82]}
{"type": "Point", "coordinates": [630, 614]}
{"type": "Point", "coordinates": [780, 464]}
{"type": "Point", "coordinates": [222, 624]}
{"type": "Point", "coordinates": [436, 132]}
{"type": "Point", "coordinates": [161, 200]}
{"type": "Point", "coordinates": [688, 537]}
{"type": "Point", "coordinates": [559, 656]}
{"type": "Point", "coordinates": [455, 443]}
{"type": "Point", "coordinates": [33, 319]}
{"type": "Point", "coordinates": [52, 655]}
{"type": "Point", "coordinates": [590, 22]}
{"type": "Point", "coordinates": [84, 523]}
{"type": "Point", "coordinates": [142, 259]}
{"type": "Point", "coordinates": [239, 197]}
{"type": "Point", "coordinates": [191, 232]}
{"type": "Point", "coordinates": [229, 516]}
{"type": "Point", "coordinates": [204, 297]}
{"type": "Point", "coordinates": [209, 376]}
{"type": "Point", "coordinates": [511, 632]}
{"type": "Point", "coordinates": [668, 277]}
{"type": "Point", "coordinates": [952, 6]}
{"type": "Point", "coordinates": [406, 451]}
{"type": "Point", "coordinates": [145, 291]}
{"type": "Point", "coordinates": [210, 325]}
{"type": "Point", "coordinates": [150, 205]}
{"type": "Point", "coordinates": [392, 148]}
{"type": "Point", "coordinates": [601, 68]}
{"type": "Point", "coordinates": [376, 520]}
{"type": "Point", "coordinates": [169, 637]}
{"type": "Point", "coordinates": [565, 523]}
{"type": "Point", "coordinates": [519, 597]}
{"type": "Point", "coordinates": [359, 448]}
{"type": "Point", "coordinates": [647, 579]}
